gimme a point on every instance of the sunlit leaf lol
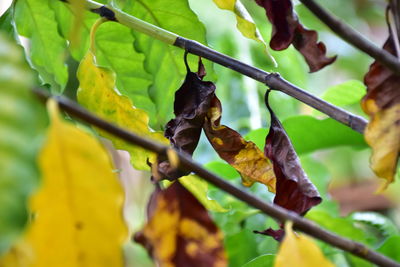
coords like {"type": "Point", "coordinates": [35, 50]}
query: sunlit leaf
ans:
{"type": "Point", "coordinates": [382, 104]}
{"type": "Point", "coordinates": [35, 20]}
{"type": "Point", "coordinates": [78, 209]}
{"type": "Point", "coordinates": [199, 188]}
{"type": "Point", "coordinates": [244, 156]}
{"type": "Point", "coordinates": [245, 22]}
{"type": "Point", "coordinates": [179, 232]}
{"type": "Point", "coordinates": [345, 94]}
{"type": "Point", "coordinates": [97, 92]}
{"type": "Point", "coordinates": [22, 121]}
{"type": "Point", "coordinates": [164, 61]}
{"type": "Point", "coordinates": [300, 251]}
{"type": "Point", "coordinates": [287, 30]}
{"type": "Point", "coordinates": [261, 261]}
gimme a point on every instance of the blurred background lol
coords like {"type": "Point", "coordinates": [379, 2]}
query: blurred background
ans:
{"type": "Point", "coordinates": [335, 158]}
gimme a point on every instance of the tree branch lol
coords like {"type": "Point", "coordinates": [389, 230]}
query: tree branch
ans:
{"type": "Point", "coordinates": [272, 80]}
{"type": "Point", "coordinates": [353, 37]}
{"type": "Point", "coordinates": [186, 163]}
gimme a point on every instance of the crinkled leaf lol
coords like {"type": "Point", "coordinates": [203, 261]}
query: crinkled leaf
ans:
{"type": "Point", "coordinates": [287, 30]}
{"type": "Point", "coordinates": [199, 188]}
{"type": "Point", "coordinates": [97, 92]}
{"type": "Point", "coordinates": [382, 104]}
{"type": "Point", "coordinates": [245, 22]}
{"type": "Point", "coordinates": [21, 123]}
{"type": "Point", "coordinates": [35, 20]}
{"type": "Point", "coordinates": [300, 251]}
{"type": "Point", "coordinates": [78, 209]}
{"type": "Point", "coordinates": [192, 101]}
{"type": "Point", "coordinates": [243, 155]}
{"type": "Point", "coordinates": [294, 191]}
{"type": "Point", "coordinates": [179, 232]}
{"type": "Point", "coordinates": [164, 61]}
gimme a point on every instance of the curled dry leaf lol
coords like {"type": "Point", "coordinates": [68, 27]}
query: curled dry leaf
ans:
{"type": "Point", "coordinates": [294, 191]}
{"type": "Point", "coordinates": [192, 101]}
{"type": "Point", "coordinates": [179, 231]}
{"type": "Point", "coordinates": [243, 155]}
{"type": "Point", "coordinates": [382, 104]}
{"type": "Point", "coordinates": [287, 30]}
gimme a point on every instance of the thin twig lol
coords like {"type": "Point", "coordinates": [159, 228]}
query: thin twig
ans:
{"type": "Point", "coordinates": [353, 37]}
{"type": "Point", "coordinates": [272, 80]}
{"type": "Point", "coordinates": [186, 163]}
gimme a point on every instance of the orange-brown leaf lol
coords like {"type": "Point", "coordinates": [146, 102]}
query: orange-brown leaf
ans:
{"type": "Point", "coordinates": [382, 104]}
{"type": "Point", "coordinates": [179, 231]}
{"type": "Point", "coordinates": [243, 155]}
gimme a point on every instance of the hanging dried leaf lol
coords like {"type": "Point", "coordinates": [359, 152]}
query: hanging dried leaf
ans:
{"type": "Point", "coordinates": [294, 191]}
{"type": "Point", "coordinates": [192, 101]}
{"type": "Point", "coordinates": [179, 232]}
{"type": "Point", "coordinates": [382, 104]}
{"type": "Point", "coordinates": [287, 30]}
{"type": "Point", "coordinates": [300, 251]}
{"type": "Point", "coordinates": [243, 155]}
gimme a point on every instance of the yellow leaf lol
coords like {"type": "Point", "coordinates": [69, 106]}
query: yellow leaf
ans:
{"type": "Point", "coordinates": [199, 189]}
{"type": "Point", "coordinates": [78, 9]}
{"type": "Point", "coordinates": [98, 93]}
{"type": "Point", "coordinates": [245, 23]}
{"type": "Point", "coordinates": [300, 251]}
{"type": "Point", "coordinates": [382, 135]}
{"type": "Point", "coordinates": [78, 209]}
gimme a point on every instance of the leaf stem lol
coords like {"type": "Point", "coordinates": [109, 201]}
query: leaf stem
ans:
{"type": "Point", "coordinates": [272, 80]}
{"type": "Point", "coordinates": [186, 163]}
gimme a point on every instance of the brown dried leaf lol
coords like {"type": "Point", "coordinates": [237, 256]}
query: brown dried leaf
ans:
{"type": "Point", "coordinates": [382, 104]}
{"type": "Point", "coordinates": [243, 155]}
{"type": "Point", "coordinates": [192, 101]}
{"type": "Point", "coordinates": [287, 30]}
{"type": "Point", "coordinates": [179, 231]}
{"type": "Point", "coordinates": [294, 191]}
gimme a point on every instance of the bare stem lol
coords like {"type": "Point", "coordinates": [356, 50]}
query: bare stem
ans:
{"type": "Point", "coordinates": [272, 80]}
{"type": "Point", "coordinates": [353, 37]}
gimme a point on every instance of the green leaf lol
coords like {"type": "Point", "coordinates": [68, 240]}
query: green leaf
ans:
{"type": "Point", "coordinates": [309, 134]}
{"type": "Point", "coordinates": [241, 247]}
{"type": "Point", "coordinates": [35, 20]}
{"type": "Point", "coordinates": [222, 169]}
{"type": "Point", "coordinates": [391, 247]}
{"type": "Point", "coordinates": [21, 122]}
{"type": "Point", "coordinates": [163, 61]}
{"type": "Point", "coordinates": [266, 260]}
{"type": "Point", "coordinates": [383, 224]}
{"type": "Point", "coordinates": [345, 94]}
{"type": "Point", "coordinates": [6, 22]}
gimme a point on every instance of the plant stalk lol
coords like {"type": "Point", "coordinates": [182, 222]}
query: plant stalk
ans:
{"type": "Point", "coordinates": [272, 80]}
{"type": "Point", "coordinates": [186, 163]}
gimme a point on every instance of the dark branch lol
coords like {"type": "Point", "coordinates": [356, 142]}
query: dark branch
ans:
{"type": "Point", "coordinates": [186, 163]}
{"type": "Point", "coordinates": [353, 37]}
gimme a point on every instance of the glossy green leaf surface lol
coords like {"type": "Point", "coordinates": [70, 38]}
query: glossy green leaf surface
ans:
{"type": "Point", "coordinates": [35, 20]}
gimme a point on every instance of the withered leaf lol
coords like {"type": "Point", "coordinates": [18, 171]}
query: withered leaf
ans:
{"type": "Point", "coordinates": [243, 155]}
{"type": "Point", "coordinates": [179, 231]}
{"type": "Point", "coordinates": [192, 101]}
{"type": "Point", "coordinates": [294, 191]}
{"type": "Point", "coordinates": [382, 104]}
{"type": "Point", "coordinates": [287, 30]}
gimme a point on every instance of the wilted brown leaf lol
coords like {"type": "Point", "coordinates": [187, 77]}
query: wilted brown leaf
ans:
{"type": "Point", "coordinates": [243, 155]}
{"type": "Point", "coordinates": [287, 30]}
{"type": "Point", "coordinates": [382, 104]}
{"type": "Point", "coordinates": [294, 191]}
{"type": "Point", "coordinates": [192, 101]}
{"type": "Point", "coordinates": [179, 231]}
